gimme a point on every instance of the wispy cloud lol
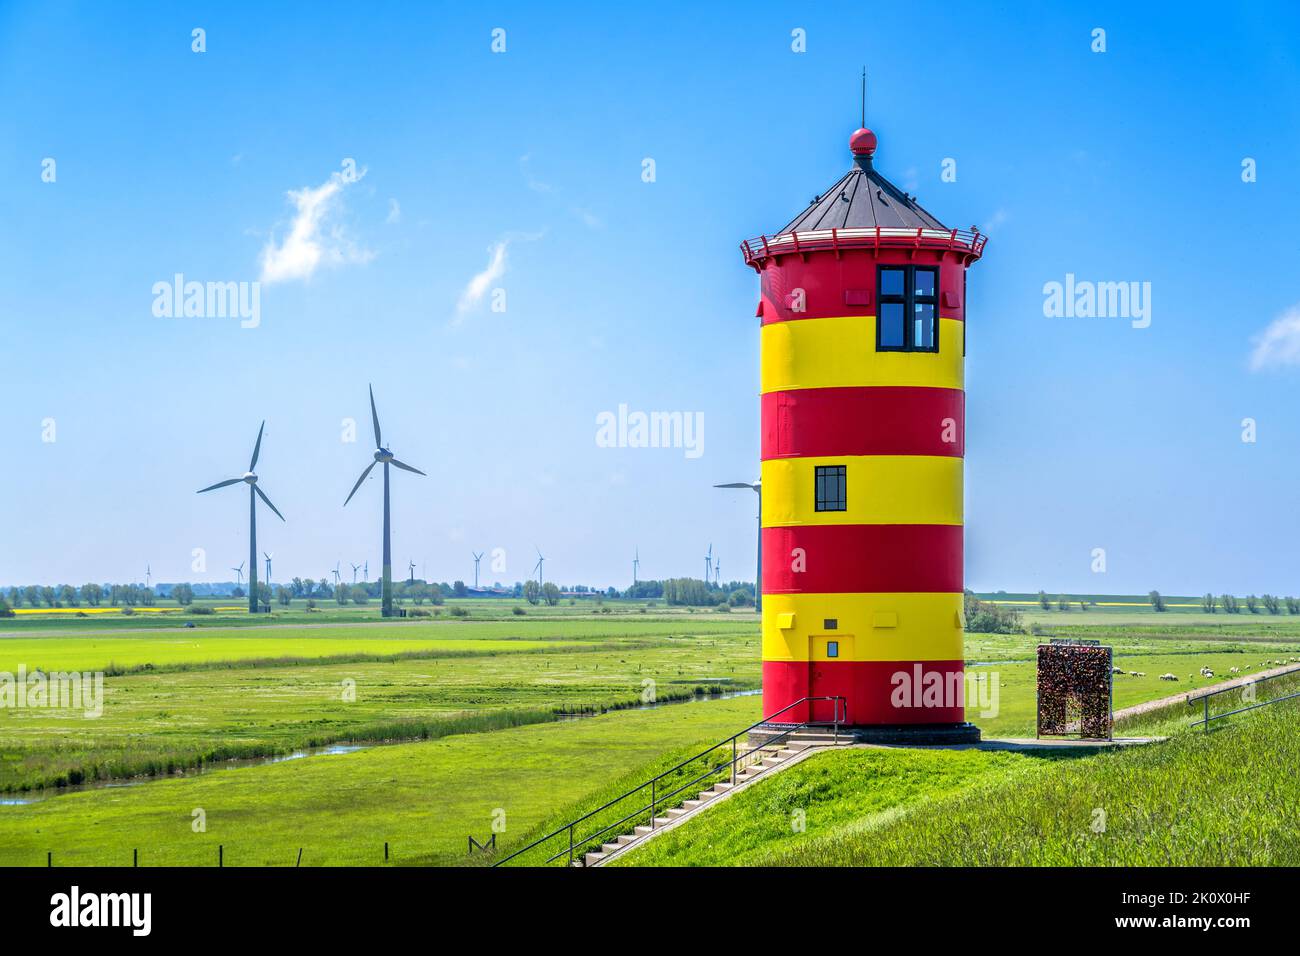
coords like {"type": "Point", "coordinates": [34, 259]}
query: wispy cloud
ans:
{"type": "Point", "coordinates": [394, 212]}
{"type": "Point", "coordinates": [535, 184]}
{"type": "Point", "coordinates": [471, 297]}
{"type": "Point", "coordinates": [314, 238]}
{"type": "Point", "coordinates": [1279, 344]}
{"type": "Point", "coordinates": [995, 222]}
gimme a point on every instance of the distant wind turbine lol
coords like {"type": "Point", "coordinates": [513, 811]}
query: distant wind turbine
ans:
{"type": "Point", "coordinates": [268, 567]}
{"type": "Point", "coordinates": [636, 563]}
{"type": "Point", "coordinates": [148, 575]}
{"type": "Point", "coordinates": [355, 569]}
{"type": "Point", "coordinates": [708, 565]}
{"type": "Point", "coordinates": [336, 573]}
{"type": "Point", "coordinates": [757, 488]}
{"type": "Point", "coordinates": [385, 457]}
{"type": "Point", "coordinates": [477, 558]}
{"type": "Point", "coordinates": [541, 572]}
{"type": "Point", "coordinates": [250, 478]}
{"type": "Point", "coordinates": [239, 574]}
{"type": "Point", "coordinates": [411, 567]}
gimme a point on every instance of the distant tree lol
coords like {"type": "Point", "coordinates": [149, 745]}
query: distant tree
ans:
{"type": "Point", "coordinates": [1157, 602]}
{"type": "Point", "coordinates": [48, 596]}
{"type": "Point", "coordinates": [459, 590]}
{"type": "Point", "coordinates": [5, 609]}
{"type": "Point", "coordinates": [1062, 603]}
{"type": "Point", "coordinates": [237, 591]}
{"type": "Point", "coordinates": [741, 598]}
{"type": "Point", "coordinates": [147, 597]}
{"type": "Point", "coordinates": [67, 595]}
{"type": "Point", "coordinates": [33, 595]}
{"type": "Point", "coordinates": [360, 595]}
{"type": "Point", "coordinates": [183, 594]}
{"type": "Point", "coordinates": [1230, 604]}
{"type": "Point", "coordinates": [323, 588]}
{"type": "Point", "coordinates": [1270, 603]}
{"type": "Point", "coordinates": [551, 593]}
{"type": "Point", "coordinates": [1252, 604]}
{"type": "Point", "coordinates": [92, 594]}
{"type": "Point", "coordinates": [1209, 603]}
{"type": "Point", "coordinates": [1292, 605]}
{"type": "Point", "coordinates": [1043, 602]}
{"type": "Point", "coordinates": [297, 586]}
{"type": "Point", "coordinates": [985, 618]}
{"type": "Point", "coordinates": [16, 596]}
{"type": "Point", "coordinates": [341, 594]}
{"type": "Point", "coordinates": [419, 592]}
{"type": "Point", "coordinates": [284, 595]}
{"type": "Point", "coordinates": [264, 593]}
{"type": "Point", "coordinates": [532, 591]}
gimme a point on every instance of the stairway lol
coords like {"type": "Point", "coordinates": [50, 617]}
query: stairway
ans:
{"type": "Point", "coordinates": [767, 761]}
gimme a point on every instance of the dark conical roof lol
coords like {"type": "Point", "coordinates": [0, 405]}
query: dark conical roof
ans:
{"type": "Point", "coordinates": [863, 199]}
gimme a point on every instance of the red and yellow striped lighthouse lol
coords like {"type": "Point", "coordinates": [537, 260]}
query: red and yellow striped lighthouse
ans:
{"type": "Point", "coordinates": [863, 342]}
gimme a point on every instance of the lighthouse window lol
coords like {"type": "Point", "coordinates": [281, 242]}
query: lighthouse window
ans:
{"type": "Point", "coordinates": [831, 488]}
{"type": "Point", "coordinates": [832, 648]}
{"type": "Point", "coordinates": [908, 316]}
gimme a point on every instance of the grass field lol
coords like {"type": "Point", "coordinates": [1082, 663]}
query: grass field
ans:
{"type": "Point", "coordinates": [458, 703]}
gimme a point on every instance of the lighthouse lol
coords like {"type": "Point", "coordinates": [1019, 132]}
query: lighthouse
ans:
{"type": "Point", "coordinates": [863, 341]}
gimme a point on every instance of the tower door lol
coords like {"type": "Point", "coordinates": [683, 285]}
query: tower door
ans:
{"type": "Point", "coordinates": [828, 656]}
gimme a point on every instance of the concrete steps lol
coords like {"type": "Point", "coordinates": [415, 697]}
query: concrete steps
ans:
{"type": "Point", "coordinates": [767, 761]}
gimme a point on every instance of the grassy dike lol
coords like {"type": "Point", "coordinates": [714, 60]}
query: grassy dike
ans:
{"type": "Point", "coordinates": [1227, 798]}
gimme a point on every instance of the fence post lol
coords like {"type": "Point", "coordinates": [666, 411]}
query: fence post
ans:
{"type": "Point", "coordinates": [49, 857]}
{"type": "Point", "coordinates": [299, 863]}
{"type": "Point", "coordinates": [135, 857]}
{"type": "Point", "coordinates": [385, 851]}
{"type": "Point", "coordinates": [221, 854]}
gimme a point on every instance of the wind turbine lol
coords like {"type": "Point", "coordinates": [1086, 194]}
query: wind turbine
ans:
{"type": "Point", "coordinates": [365, 569]}
{"type": "Point", "coordinates": [477, 558]}
{"type": "Point", "coordinates": [336, 574]}
{"type": "Point", "coordinates": [636, 563]}
{"type": "Point", "coordinates": [541, 572]}
{"type": "Point", "coordinates": [148, 575]}
{"type": "Point", "coordinates": [757, 488]}
{"type": "Point", "coordinates": [250, 478]}
{"type": "Point", "coordinates": [717, 573]}
{"type": "Point", "coordinates": [355, 569]}
{"type": "Point", "coordinates": [239, 575]}
{"type": "Point", "coordinates": [385, 457]}
{"type": "Point", "coordinates": [411, 568]}
{"type": "Point", "coordinates": [708, 565]}
{"type": "Point", "coordinates": [268, 568]}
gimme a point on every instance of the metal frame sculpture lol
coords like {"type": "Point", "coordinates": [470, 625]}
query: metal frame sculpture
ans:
{"type": "Point", "coordinates": [1075, 690]}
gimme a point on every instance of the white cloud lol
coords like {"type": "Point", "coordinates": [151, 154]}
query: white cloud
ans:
{"type": "Point", "coordinates": [1279, 344]}
{"type": "Point", "coordinates": [995, 221]}
{"type": "Point", "coordinates": [471, 297]}
{"type": "Point", "coordinates": [394, 212]}
{"type": "Point", "coordinates": [536, 185]}
{"type": "Point", "coordinates": [314, 238]}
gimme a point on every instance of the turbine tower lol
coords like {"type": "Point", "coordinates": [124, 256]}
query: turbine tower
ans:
{"type": "Point", "coordinates": [239, 575]}
{"type": "Point", "coordinates": [477, 558]}
{"type": "Point", "coordinates": [411, 568]}
{"type": "Point", "coordinates": [717, 573]}
{"type": "Point", "coordinates": [268, 567]}
{"type": "Point", "coordinates": [636, 563]}
{"type": "Point", "coordinates": [757, 488]}
{"type": "Point", "coordinates": [250, 478]}
{"type": "Point", "coordinates": [336, 574]}
{"type": "Point", "coordinates": [541, 571]}
{"type": "Point", "coordinates": [385, 457]}
{"type": "Point", "coordinates": [708, 565]}
{"type": "Point", "coordinates": [148, 575]}
{"type": "Point", "coordinates": [355, 569]}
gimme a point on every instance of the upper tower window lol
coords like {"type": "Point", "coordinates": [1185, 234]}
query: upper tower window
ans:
{"type": "Point", "coordinates": [908, 319]}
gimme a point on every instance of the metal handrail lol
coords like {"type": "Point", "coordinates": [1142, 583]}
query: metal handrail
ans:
{"type": "Point", "coordinates": [1205, 699]}
{"type": "Point", "coordinates": [969, 241]}
{"type": "Point", "coordinates": [657, 799]}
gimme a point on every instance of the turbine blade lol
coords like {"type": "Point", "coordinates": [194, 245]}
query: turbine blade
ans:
{"type": "Point", "coordinates": [735, 484]}
{"type": "Point", "coordinates": [220, 484]}
{"type": "Point", "coordinates": [257, 449]}
{"type": "Point", "coordinates": [358, 484]}
{"type": "Point", "coordinates": [374, 415]}
{"type": "Point", "coordinates": [262, 494]}
{"type": "Point", "coordinates": [405, 467]}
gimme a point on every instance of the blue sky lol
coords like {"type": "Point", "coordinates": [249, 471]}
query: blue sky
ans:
{"type": "Point", "coordinates": [1083, 433]}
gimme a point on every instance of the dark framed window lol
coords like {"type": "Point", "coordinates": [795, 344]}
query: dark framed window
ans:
{"type": "Point", "coordinates": [908, 311]}
{"type": "Point", "coordinates": [832, 648]}
{"type": "Point", "coordinates": [831, 488]}
{"type": "Point", "coordinates": [830, 624]}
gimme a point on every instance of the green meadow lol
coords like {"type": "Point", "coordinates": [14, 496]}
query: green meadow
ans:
{"type": "Point", "coordinates": [459, 717]}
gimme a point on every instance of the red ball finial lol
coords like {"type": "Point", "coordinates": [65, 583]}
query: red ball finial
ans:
{"type": "Point", "coordinates": [863, 142]}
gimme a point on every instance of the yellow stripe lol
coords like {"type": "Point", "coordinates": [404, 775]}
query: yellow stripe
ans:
{"type": "Point", "coordinates": [926, 627]}
{"type": "Point", "coordinates": [841, 352]}
{"type": "Point", "coordinates": [880, 489]}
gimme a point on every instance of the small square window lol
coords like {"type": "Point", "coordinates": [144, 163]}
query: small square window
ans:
{"type": "Point", "coordinates": [907, 319]}
{"type": "Point", "coordinates": [830, 624]}
{"type": "Point", "coordinates": [832, 648]}
{"type": "Point", "coordinates": [831, 488]}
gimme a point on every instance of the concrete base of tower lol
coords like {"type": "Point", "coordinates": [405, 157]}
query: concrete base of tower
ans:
{"type": "Point", "coordinates": [916, 735]}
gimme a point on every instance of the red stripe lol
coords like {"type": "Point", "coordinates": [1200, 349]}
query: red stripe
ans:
{"type": "Point", "coordinates": [872, 688]}
{"type": "Point", "coordinates": [822, 285]}
{"type": "Point", "coordinates": [855, 558]}
{"type": "Point", "coordinates": [873, 420]}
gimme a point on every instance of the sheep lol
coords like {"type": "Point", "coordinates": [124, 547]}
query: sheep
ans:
{"type": "Point", "coordinates": [1117, 670]}
{"type": "Point", "coordinates": [1234, 670]}
{"type": "Point", "coordinates": [1206, 672]}
{"type": "Point", "coordinates": [1168, 677]}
